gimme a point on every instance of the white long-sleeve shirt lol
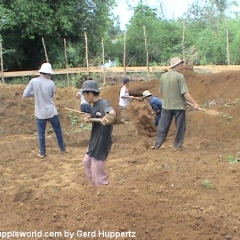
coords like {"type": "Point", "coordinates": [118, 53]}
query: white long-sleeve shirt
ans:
{"type": "Point", "coordinates": [123, 102]}
{"type": "Point", "coordinates": [42, 89]}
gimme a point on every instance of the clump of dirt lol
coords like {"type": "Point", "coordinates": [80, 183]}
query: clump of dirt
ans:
{"type": "Point", "coordinates": [141, 115]}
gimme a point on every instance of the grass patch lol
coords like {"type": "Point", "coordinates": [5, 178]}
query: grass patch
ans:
{"type": "Point", "coordinates": [233, 159]}
{"type": "Point", "coordinates": [207, 184]}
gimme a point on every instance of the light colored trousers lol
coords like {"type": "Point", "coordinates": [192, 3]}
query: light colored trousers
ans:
{"type": "Point", "coordinates": [95, 171]}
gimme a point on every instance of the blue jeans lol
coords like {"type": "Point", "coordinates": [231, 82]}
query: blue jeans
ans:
{"type": "Point", "coordinates": [41, 124]}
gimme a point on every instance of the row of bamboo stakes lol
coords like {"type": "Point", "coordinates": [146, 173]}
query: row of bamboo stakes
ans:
{"type": "Point", "coordinates": [87, 61]}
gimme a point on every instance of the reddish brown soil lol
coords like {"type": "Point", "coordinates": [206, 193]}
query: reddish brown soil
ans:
{"type": "Point", "coordinates": [156, 193]}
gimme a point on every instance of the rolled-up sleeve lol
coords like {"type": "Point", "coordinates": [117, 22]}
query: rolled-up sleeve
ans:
{"type": "Point", "coordinates": [183, 85]}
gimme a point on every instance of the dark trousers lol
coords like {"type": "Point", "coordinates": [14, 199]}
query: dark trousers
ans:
{"type": "Point", "coordinates": [164, 125]}
{"type": "Point", "coordinates": [41, 124]}
{"type": "Point", "coordinates": [157, 118]}
{"type": "Point", "coordinates": [85, 108]}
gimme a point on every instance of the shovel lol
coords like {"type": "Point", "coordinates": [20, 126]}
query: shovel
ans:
{"type": "Point", "coordinates": [207, 111]}
{"type": "Point", "coordinates": [72, 110]}
{"type": "Point", "coordinates": [116, 121]}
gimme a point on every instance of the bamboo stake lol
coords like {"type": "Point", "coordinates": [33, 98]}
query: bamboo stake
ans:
{"type": "Point", "coordinates": [1, 56]}
{"type": "Point", "coordinates": [45, 50]}
{"type": "Point", "coordinates": [145, 38]}
{"type": "Point", "coordinates": [227, 40]}
{"type": "Point", "coordinates": [66, 59]}
{"type": "Point", "coordinates": [86, 43]}
{"type": "Point", "coordinates": [183, 42]}
{"type": "Point", "coordinates": [124, 54]}
{"type": "Point", "coordinates": [103, 56]}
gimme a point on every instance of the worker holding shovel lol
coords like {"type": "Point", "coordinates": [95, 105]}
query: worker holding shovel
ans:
{"type": "Point", "coordinates": [101, 135]}
{"type": "Point", "coordinates": [43, 90]}
{"type": "Point", "coordinates": [124, 99]}
{"type": "Point", "coordinates": [175, 93]}
{"type": "Point", "coordinates": [156, 104]}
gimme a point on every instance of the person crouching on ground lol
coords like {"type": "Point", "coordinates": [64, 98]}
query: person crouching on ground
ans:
{"type": "Point", "coordinates": [101, 135]}
{"type": "Point", "coordinates": [155, 103]}
{"type": "Point", "coordinates": [175, 93]}
{"type": "Point", "coordinates": [43, 90]}
{"type": "Point", "coordinates": [84, 105]}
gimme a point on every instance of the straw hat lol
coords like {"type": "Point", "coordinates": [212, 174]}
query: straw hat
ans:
{"type": "Point", "coordinates": [146, 94]}
{"type": "Point", "coordinates": [175, 61]}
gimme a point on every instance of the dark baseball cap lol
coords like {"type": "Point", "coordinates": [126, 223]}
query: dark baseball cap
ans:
{"type": "Point", "coordinates": [90, 86]}
{"type": "Point", "coordinates": [126, 80]}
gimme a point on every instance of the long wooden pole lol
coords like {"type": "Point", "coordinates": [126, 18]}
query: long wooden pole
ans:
{"type": "Point", "coordinates": [1, 56]}
{"type": "Point", "coordinates": [183, 42]}
{"type": "Point", "coordinates": [66, 59]}
{"type": "Point", "coordinates": [227, 40]}
{"type": "Point", "coordinates": [103, 59]}
{"type": "Point", "coordinates": [45, 50]}
{"type": "Point", "coordinates": [86, 44]}
{"type": "Point", "coordinates": [147, 56]}
{"type": "Point", "coordinates": [124, 53]}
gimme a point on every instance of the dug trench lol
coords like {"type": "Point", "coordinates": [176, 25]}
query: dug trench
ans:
{"type": "Point", "coordinates": [159, 194]}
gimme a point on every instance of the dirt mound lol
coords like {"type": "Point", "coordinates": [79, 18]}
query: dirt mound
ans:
{"type": "Point", "coordinates": [135, 89]}
{"type": "Point", "coordinates": [17, 113]}
{"type": "Point", "coordinates": [219, 91]}
{"type": "Point", "coordinates": [141, 115]}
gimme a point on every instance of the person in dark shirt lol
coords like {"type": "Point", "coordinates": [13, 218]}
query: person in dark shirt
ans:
{"type": "Point", "coordinates": [101, 135]}
{"type": "Point", "coordinates": [156, 104]}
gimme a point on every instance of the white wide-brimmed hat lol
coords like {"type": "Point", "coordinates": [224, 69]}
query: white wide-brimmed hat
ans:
{"type": "Point", "coordinates": [46, 68]}
{"type": "Point", "coordinates": [146, 94]}
{"type": "Point", "coordinates": [175, 61]}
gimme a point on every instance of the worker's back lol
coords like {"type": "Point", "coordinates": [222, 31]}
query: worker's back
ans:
{"type": "Point", "coordinates": [173, 87]}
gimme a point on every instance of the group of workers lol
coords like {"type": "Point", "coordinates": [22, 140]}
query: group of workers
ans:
{"type": "Point", "coordinates": [172, 87]}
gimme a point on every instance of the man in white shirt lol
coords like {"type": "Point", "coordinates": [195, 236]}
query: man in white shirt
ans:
{"type": "Point", "coordinates": [124, 98]}
{"type": "Point", "coordinates": [84, 105]}
{"type": "Point", "coordinates": [124, 94]}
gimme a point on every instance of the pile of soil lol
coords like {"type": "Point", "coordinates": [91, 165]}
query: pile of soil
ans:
{"type": "Point", "coordinates": [141, 115]}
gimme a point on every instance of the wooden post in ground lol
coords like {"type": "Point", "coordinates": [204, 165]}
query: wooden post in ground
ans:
{"type": "Point", "coordinates": [124, 53]}
{"type": "Point", "coordinates": [45, 50]}
{"type": "Point", "coordinates": [183, 42]}
{"type": "Point", "coordinates": [103, 59]}
{"type": "Point", "coordinates": [86, 44]}
{"type": "Point", "coordinates": [147, 56]}
{"type": "Point", "coordinates": [66, 59]}
{"type": "Point", "coordinates": [1, 56]}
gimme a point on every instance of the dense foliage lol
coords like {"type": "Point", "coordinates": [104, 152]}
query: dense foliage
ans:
{"type": "Point", "coordinates": [207, 33]}
{"type": "Point", "coordinates": [26, 22]}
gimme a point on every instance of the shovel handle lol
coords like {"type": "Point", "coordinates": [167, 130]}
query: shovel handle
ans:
{"type": "Point", "coordinates": [95, 119]}
{"type": "Point", "coordinates": [72, 110]}
{"type": "Point", "coordinates": [199, 109]}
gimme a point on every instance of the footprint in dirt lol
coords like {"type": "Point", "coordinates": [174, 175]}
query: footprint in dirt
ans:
{"type": "Point", "coordinates": [26, 195]}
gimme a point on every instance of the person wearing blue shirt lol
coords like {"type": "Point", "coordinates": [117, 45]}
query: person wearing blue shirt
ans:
{"type": "Point", "coordinates": [156, 104]}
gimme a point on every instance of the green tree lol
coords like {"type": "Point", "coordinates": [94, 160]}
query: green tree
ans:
{"type": "Point", "coordinates": [53, 20]}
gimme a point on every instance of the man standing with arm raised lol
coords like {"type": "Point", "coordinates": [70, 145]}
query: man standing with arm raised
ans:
{"type": "Point", "coordinates": [175, 93]}
{"type": "Point", "coordinates": [43, 90]}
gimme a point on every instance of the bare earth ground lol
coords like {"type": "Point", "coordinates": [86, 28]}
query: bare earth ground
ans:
{"type": "Point", "coordinates": [159, 194]}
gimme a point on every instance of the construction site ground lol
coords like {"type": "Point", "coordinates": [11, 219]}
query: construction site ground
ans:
{"type": "Point", "coordinates": [159, 194]}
